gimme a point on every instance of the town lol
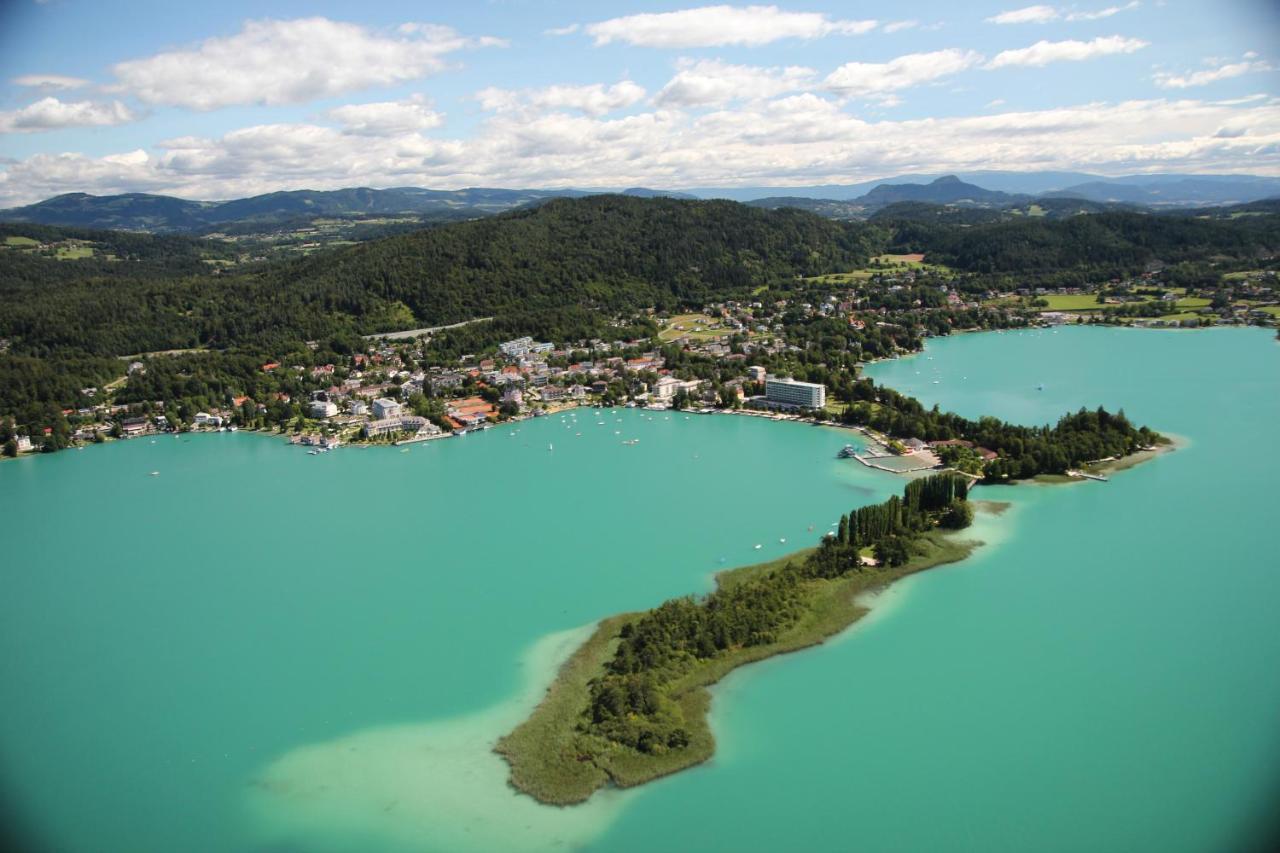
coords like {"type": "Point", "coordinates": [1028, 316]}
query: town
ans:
{"type": "Point", "coordinates": [793, 353]}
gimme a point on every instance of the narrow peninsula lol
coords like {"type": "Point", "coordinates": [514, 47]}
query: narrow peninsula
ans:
{"type": "Point", "coordinates": [630, 705]}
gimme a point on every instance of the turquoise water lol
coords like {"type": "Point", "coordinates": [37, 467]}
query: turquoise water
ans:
{"type": "Point", "coordinates": [259, 649]}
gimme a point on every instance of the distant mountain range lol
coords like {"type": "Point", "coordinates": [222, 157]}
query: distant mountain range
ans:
{"type": "Point", "coordinates": [1158, 189]}
{"type": "Point", "coordinates": [1053, 194]}
{"type": "Point", "coordinates": [158, 213]}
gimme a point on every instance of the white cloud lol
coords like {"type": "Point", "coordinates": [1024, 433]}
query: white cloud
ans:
{"type": "Point", "coordinates": [53, 114]}
{"type": "Point", "coordinates": [1026, 15]}
{"type": "Point", "coordinates": [913, 69]}
{"type": "Point", "coordinates": [710, 82]}
{"type": "Point", "coordinates": [1222, 71]}
{"type": "Point", "coordinates": [718, 26]}
{"type": "Point", "coordinates": [386, 117]}
{"type": "Point", "coordinates": [1042, 14]}
{"type": "Point", "coordinates": [797, 139]}
{"type": "Point", "coordinates": [998, 102]}
{"type": "Point", "coordinates": [561, 31]}
{"type": "Point", "coordinates": [1101, 13]}
{"type": "Point", "coordinates": [897, 26]}
{"type": "Point", "coordinates": [594, 100]}
{"type": "Point", "coordinates": [1043, 52]}
{"type": "Point", "coordinates": [287, 62]}
{"type": "Point", "coordinates": [50, 81]}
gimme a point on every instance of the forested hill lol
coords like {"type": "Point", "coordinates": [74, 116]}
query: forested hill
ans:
{"type": "Point", "coordinates": [536, 266]}
{"type": "Point", "coordinates": [1088, 248]}
{"type": "Point", "coordinates": [607, 252]}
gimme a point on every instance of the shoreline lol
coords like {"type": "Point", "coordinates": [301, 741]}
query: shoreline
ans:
{"type": "Point", "coordinates": [555, 764]}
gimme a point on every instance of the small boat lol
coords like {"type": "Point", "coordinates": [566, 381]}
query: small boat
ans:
{"type": "Point", "coordinates": [783, 541]}
{"type": "Point", "coordinates": [1040, 387]}
{"type": "Point", "coordinates": [551, 447]}
{"type": "Point", "coordinates": [847, 452]}
{"type": "Point", "coordinates": [155, 473]}
{"type": "Point", "coordinates": [758, 547]}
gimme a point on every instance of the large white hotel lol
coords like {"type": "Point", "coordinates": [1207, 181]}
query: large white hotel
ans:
{"type": "Point", "coordinates": [789, 392]}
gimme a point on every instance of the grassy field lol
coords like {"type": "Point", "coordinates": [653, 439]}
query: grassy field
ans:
{"type": "Point", "coordinates": [556, 763]}
{"type": "Point", "coordinates": [73, 253]}
{"type": "Point", "coordinates": [696, 327]}
{"type": "Point", "coordinates": [24, 242]}
{"type": "Point", "coordinates": [1071, 302]}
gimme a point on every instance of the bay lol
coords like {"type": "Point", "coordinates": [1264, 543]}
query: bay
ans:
{"type": "Point", "coordinates": [259, 649]}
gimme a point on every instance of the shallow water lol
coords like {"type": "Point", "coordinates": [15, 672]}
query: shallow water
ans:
{"type": "Point", "coordinates": [258, 649]}
{"type": "Point", "coordinates": [181, 651]}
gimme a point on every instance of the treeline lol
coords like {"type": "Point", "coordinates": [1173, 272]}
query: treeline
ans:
{"type": "Point", "coordinates": [631, 703]}
{"type": "Point", "coordinates": [1094, 248]}
{"type": "Point", "coordinates": [1024, 451]}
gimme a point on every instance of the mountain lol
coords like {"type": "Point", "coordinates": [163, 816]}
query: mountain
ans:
{"type": "Point", "coordinates": [157, 213]}
{"type": "Point", "coordinates": [945, 190]}
{"type": "Point", "coordinates": [1171, 189]}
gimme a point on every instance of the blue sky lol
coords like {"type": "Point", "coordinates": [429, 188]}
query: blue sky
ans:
{"type": "Point", "coordinates": [227, 99]}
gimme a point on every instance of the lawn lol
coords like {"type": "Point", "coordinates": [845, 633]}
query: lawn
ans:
{"type": "Point", "coordinates": [21, 241]}
{"type": "Point", "coordinates": [1071, 302]}
{"type": "Point", "coordinates": [73, 253]}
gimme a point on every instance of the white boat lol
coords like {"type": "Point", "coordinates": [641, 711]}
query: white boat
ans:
{"type": "Point", "coordinates": [551, 447]}
{"type": "Point", "coordinates": [758, 547]}
{"type": "Point", "coordinates": [783, 540]}
{"type": "Point", "coordinates": [155, 473]}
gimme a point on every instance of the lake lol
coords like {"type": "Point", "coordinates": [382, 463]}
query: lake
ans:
{"type": "Point", "coordinates": [257, 649]}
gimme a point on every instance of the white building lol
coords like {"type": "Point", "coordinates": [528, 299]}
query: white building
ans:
{"type": "Point", "coordinates": [384, 408]}
{"type": "Point", "coordinates": [321, 409]}
{"type": "Point", "coordinates": [419, 426]}
{"type": "Point", "coordinates": [665, 388]}
{"type": "Point", "coordinates": [757, 374]}
{"type": "Point", "coordinates": [790, 392]}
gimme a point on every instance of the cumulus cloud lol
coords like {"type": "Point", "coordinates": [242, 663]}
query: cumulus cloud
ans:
{"type": "Point", "coordinates": [53, 114]}
{"type": "Point", "coordinates": [386, 117]}
{"type": "Point", "coordinates": [711, 82]}
{"type": "Point", "coordinates": [1042, 14]}
{"type": "Point", "coordinates": [594, 100]}
{"type": "Point", "coordinates": [1219, 71]}
{"type": "Point", "coordinates": [1043, 52]}
{"type": "Point", "coordinates": [913, 69]}
{"type": "Point", "coordinates": [795, 139]}
{"type": "Point", "coordinates": [719, 26]}
{"type": "Point", "coordinates": [50, 81]}
{"type": "Point", "coordinates": [287, 62]}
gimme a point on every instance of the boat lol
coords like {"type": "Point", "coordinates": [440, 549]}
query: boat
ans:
{"type": "Point", "coordinates": [155, 473]}
{"type": "Point", "coordinates": [847, 452]}
{"type": "Point", "coordinates": [551, 447]}
{"type": "Point", "coordinates": [758, 547]}
{"type": "Point", "coordinates": [783, 540]}
{"type": "Point", "coordinates": [1040, 387]}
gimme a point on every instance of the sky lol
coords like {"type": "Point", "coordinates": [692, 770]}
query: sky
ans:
{"type": "Point", "coordinates": [231, 99]}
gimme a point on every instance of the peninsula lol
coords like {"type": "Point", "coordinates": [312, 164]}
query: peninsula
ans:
{"type": "Point", "coordinates": [631, 704]}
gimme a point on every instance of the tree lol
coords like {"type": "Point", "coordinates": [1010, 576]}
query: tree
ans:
{"type": "Point", "coordinates": [11, 448]}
